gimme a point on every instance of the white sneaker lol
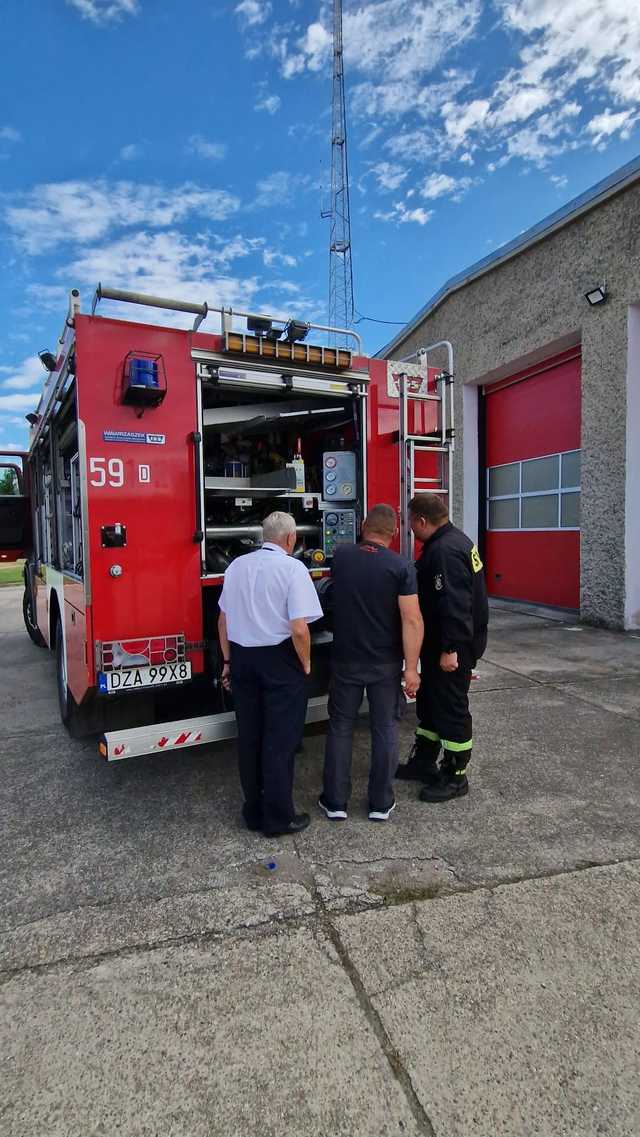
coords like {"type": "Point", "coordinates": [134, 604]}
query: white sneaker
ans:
{"type": "Point", "coordinates": [333, 813]}
{"type": "Point", "coordinates": [381, 814]}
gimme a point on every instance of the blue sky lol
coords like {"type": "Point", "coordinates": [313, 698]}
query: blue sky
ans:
{"type": "Point", "coordinates": [182, 147]}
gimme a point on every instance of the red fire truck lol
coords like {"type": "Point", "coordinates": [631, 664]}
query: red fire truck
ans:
{"type": "Point", "coordinates": [154, 455]}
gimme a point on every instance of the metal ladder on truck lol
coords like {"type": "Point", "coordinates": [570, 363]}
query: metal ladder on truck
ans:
{"type": "Point", "coordinates": [440, 442]}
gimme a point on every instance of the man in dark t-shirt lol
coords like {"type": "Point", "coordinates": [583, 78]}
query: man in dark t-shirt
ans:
{"type": "Point", "coordinates": [376, 625]}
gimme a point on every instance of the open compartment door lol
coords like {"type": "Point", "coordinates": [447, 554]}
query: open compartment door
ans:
{"type": "Point", "coordinates": [15, 506]}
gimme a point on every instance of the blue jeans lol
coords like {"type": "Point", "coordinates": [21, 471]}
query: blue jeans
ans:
{"type": "Point", "coordinates": [385, 708]}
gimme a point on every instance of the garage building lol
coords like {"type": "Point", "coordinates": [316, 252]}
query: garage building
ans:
{"type": "Point", "coordinates": [546, 343]}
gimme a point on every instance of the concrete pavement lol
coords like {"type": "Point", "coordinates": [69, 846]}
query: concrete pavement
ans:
{"type": "Point", "coordinates": [465, 970]}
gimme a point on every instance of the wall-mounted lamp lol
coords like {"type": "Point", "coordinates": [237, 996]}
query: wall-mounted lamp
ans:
{"type": "Point", "coordinates": [597, 295]}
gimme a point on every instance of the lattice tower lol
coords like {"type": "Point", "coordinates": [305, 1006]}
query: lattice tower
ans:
{"type": "Point", "coordinates": [339, 213]}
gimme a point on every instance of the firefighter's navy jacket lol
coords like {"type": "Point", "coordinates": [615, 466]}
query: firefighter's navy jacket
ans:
{"type": "Point", "coordinates": [453, 597]}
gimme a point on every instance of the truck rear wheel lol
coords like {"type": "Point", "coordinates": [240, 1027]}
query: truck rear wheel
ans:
{"type": "Point", "coordinates": [77, 719]}
{"type": "Point", "coordinates": [29, 616]}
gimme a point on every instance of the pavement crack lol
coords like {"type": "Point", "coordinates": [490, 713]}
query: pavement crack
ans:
{"type": "Point", "coordinates": [383, 861]}
{"type": "Point", "coordinates": [512, 671]}
{"type": "Point", "coordinates": [116, 902]}
{"type": "Point", "coordinates": [271, 927]}
{"type": "Point", "coordinates": [391, 1053]}
{"type": "Point", "coordinates": [584, 698]}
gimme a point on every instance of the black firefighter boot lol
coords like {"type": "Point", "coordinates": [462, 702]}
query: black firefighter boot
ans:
{"type": "Point", "coordinates": [453, 778]}
{"type": "Point", "coordinates": [422, 764]}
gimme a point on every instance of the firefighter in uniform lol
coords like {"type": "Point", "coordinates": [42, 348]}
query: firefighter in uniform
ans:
{"type": "Point", "coordinates": [453, 600]}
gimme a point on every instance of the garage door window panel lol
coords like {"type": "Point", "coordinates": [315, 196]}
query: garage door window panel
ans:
{"type": "Point", "coordinates": [540, 511]}
{"type": "Point", "coordinates": [570, 511]}
{"type": "Point", "coordinates": [571, 470]}
{"type": "Point", "coordinates": [535, 494]}
{"type": "Point", "coordinates": [504, 514]}
{"type": "Point", "coordinates": [504, 481]}
{"type": "Point", "coordinates": [539, 475]}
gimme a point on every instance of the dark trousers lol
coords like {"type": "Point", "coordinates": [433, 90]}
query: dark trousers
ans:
{"type": "Point", "coordinates": [385, 707]}
{"type": "Point", "coordinates": [270, 692]}
{"type": "Point", "coordinates": [444, 718]}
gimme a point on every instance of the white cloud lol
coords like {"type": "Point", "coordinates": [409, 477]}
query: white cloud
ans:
{"type": "Point", "coordinates": [402, 215]}
{"type": "Point", "coordinates": [560, 181]}
{"type": "Point", "coordinates": [273, 257]}
{"type": "Point", "coordinates": [443, 185]}
{"type": "Point", "coordinates": [167, 264]}
{"type": "Point", "coordinates": [253, 12]}
{"type": "Point", "coordinates": [170, 264]}
{"type": "Point", "coordinates": [314, 49]}
{"type": "Point", "coordinates": [424, 105]}
{"type": "Point", "coordinates": [25, 375]}
{"type": "Point", "coordinates": [589, 42]}
{"type": "Point", "coordinates": [587, 45]}
{"type": "Point", "coordinates": [392, 40]}
{"type": "Point", "coordinates": [205, 149]}
{"type": "Point", "coordinates": [460, 119]}
{"type": "Point", "coordinates": [104, 11]}
{"type": "Point", "coordinates": [19, 402]}
{"type": "Point", "coordinates": [151, 258]}
{"type": "Point", "coordinates": [78, 211]}
{"type": "Point", "coordinates": [415, 146]}
{"type": "Point", "coordinates": [584, 38]}
{"type": "Point", "coordinates": [13, 420]}
{"type": "Point", "coordinates": [568, 54]}
{"type": "Point", "coordinates": [47, 297]}
{"type": "Point", "coordinates": [516, 101]}
{"type": "Point", "coordinates": [275, 189]}
{"type": "Point", "coordinates": [131, 151]}
{"type": "Point", "coordinates": [604, 125]}
{"type": "Point", "coordinates": [549, 135]}
{"type": "Point", "coordinates": [9, 134]}
{"type": "Point", "coordinates": [269, 103]}
{"type": "Point", "coordinates": [389, 176]}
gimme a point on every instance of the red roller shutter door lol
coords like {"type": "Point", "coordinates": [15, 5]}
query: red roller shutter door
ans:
{"type": "Point", "coordinates": [531, 415]}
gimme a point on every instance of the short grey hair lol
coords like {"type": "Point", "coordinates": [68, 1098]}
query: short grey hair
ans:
{"type": "Point", "coordinates": [277, 527]}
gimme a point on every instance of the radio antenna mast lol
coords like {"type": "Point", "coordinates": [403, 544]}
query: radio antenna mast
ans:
{"type": "Point", "coordinates": [339, 213]}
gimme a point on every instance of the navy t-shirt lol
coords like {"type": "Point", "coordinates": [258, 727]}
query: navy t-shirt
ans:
{"type": "Point", "coordinates": [367, 630]}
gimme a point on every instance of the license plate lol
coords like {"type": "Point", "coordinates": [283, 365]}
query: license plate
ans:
{"type": "Point", "coordinates": [134, 678]}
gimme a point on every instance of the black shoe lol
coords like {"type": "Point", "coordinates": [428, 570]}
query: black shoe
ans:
{"type": "Point", "coordinates": [296, 825]}
{"type": "Point", "coordinates": [444, 790]}
{"type": "Point", "coordinates": [333, 812]}
{"type": "Point", "coordinates": [252, 819]}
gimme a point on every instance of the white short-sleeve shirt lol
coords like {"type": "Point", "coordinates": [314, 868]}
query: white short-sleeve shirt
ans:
{"type": "Point", "coordinates": [262, 592]}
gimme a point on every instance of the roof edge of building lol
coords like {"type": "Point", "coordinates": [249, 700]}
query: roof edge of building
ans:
{"type": "Point", "coordinates": [607, 187]}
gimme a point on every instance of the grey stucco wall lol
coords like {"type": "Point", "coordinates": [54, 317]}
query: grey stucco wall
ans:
{"type": "Point", "coordinates": [532, 306]}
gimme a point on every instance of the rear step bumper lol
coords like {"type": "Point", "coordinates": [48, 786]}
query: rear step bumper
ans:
{"type": "Point", "coordinates": [178, 735]}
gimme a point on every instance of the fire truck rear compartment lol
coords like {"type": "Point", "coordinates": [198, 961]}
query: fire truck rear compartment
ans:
{"type": "Point", "coordinates": [250, 468]}
{"type": "Point", "coordinates": [250, 440]}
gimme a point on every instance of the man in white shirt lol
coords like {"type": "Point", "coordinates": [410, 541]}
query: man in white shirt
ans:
{"type": "Point", "coordinates": [267, 602]}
